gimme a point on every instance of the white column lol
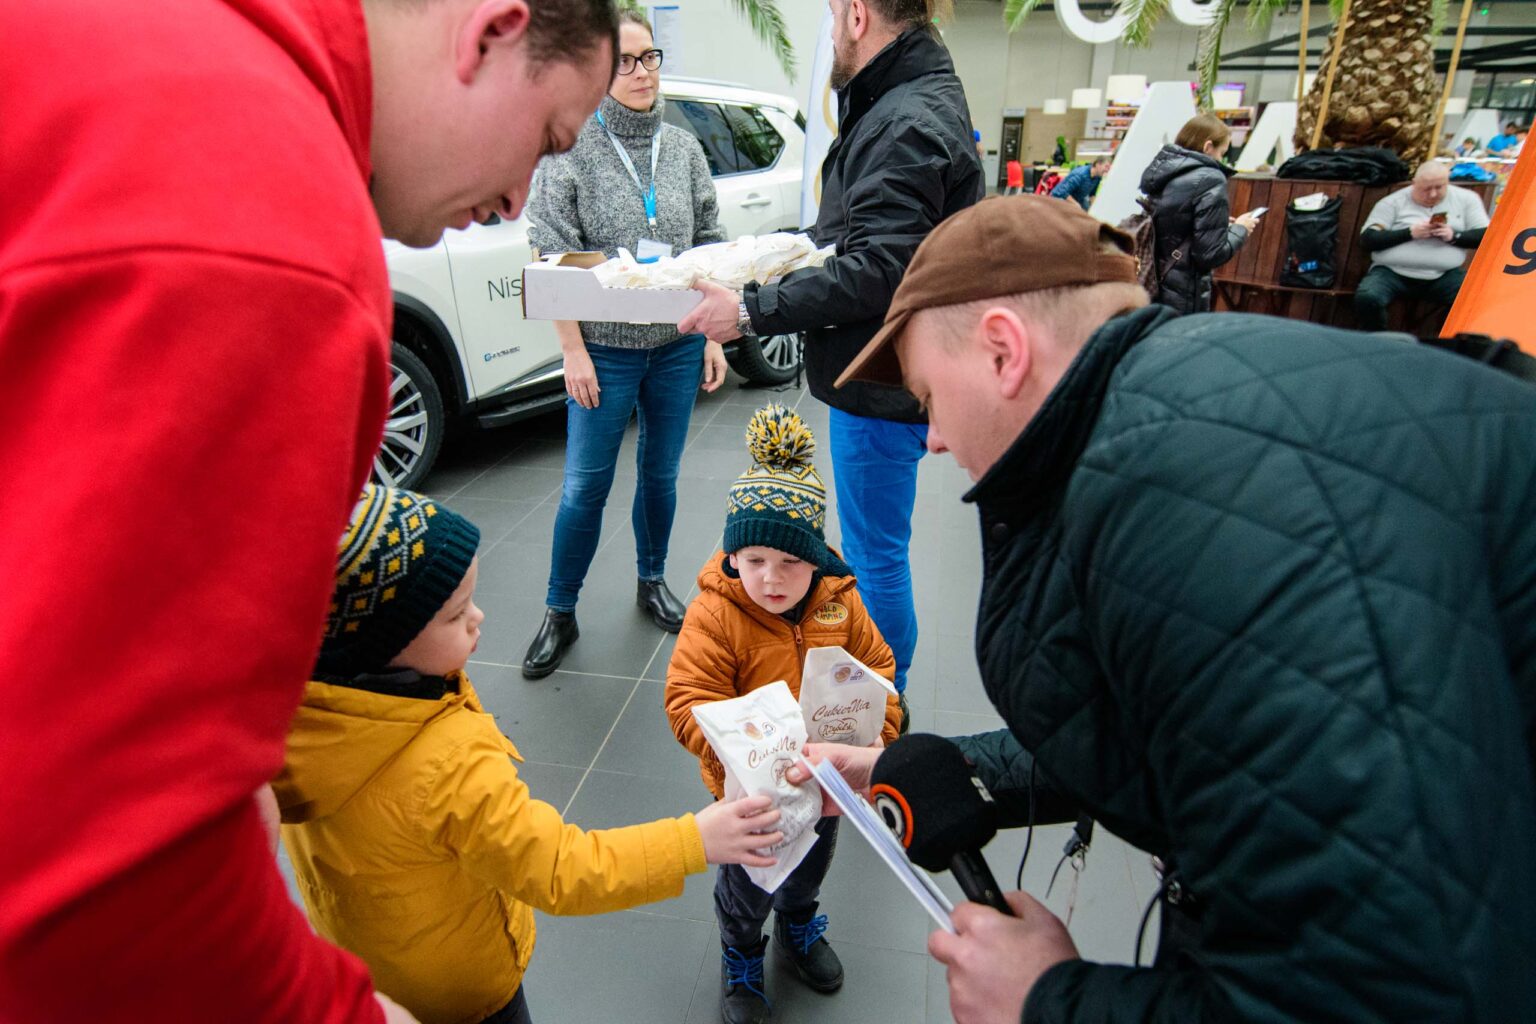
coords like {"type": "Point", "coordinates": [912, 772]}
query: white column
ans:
{"type": "Point", "coordinates": [1103, 65]}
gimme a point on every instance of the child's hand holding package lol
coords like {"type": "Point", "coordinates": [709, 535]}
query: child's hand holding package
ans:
{"type": "Point", "coordinates": [734, 831]}
{"type": "Point", "coordinates": [758, 737]}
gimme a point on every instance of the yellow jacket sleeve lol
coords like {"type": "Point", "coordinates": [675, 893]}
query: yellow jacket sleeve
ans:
{"type": "Point", "coordinates": [481, 811]}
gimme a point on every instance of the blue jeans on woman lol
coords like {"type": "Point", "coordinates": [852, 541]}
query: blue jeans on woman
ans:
{"type": "Point", "coordinates": [662, 384]}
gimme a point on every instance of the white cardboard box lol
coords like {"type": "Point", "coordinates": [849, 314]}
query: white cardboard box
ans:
{"type": "Point", "coordinates": [563, 287]}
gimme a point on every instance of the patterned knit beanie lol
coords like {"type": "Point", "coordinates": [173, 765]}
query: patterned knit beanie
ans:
{"type": "Point", "coordinates": [780, 502]}
{"type": "Point", "coordinates": [402, 557]}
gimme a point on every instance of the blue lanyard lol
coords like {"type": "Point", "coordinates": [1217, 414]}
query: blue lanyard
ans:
{"type": "Point", "coordinates": [647, 197]}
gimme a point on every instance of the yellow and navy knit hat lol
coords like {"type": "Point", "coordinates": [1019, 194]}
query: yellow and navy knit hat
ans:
{"type": "Point", "coordinates": [780, 502]}
{"type": "Point", "coordinates": [402, 557]}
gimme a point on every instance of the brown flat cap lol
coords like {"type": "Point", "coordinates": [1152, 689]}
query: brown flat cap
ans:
{"type": "Point", "coordinates": [1001, 246]}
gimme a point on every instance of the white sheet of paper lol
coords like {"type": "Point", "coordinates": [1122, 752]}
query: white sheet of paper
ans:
{"type": "Point", "coordinates": [872, 828]}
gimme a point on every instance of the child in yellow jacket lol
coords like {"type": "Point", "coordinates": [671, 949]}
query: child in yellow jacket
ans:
{"type": "Point", "coordinates": [775, 591]}
{"type": "Point", "coordinates": [416, 845]}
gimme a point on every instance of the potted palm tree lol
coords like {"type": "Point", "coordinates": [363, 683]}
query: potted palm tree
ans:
{"type": "Point", "coordinates": [768, 24]}
{"type": "Point", "coordinates": [1383, 91]}
{"type": "Point", "coordinates": [766, 21]}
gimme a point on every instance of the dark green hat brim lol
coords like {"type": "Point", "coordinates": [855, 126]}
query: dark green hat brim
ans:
{"type": "Point", "coordinates": [744, 530]}
{"type": "Point", "coordinates": [450, 550]}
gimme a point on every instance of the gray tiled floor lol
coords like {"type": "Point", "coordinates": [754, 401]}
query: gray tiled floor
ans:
{"type": "Point", "coordinates": [598, 746]}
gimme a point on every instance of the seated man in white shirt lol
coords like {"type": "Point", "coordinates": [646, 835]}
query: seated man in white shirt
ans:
{"type": "Point", "coordinates": [1418, 239]}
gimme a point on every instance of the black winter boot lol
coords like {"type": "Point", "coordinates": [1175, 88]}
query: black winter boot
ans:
{"type": "Point", "coordinates": [802, 944]}
{"type": "Point", "coordinates": [556, 634]}
{"type": "Point", "coordinates": [661, 605]}
{"type": "Point", "coordinates": [742, 996]}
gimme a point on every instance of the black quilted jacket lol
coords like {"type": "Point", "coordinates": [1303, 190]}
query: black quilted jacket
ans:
{"type": "Point", "coordinates": [1194, 234]}
{"type": "Point", "coordinates": [1261, 596]}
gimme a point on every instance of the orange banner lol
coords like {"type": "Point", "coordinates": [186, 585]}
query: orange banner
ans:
{"type": "Point", "coordinates": [1498, 297]}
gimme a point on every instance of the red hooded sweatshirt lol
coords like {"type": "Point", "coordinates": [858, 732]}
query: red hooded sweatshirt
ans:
{"type": "Point", "coordinates": [194, 331]}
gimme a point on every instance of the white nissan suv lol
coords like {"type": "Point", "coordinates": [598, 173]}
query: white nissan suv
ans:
{"type": "Point", "coordinates": [461, 345]}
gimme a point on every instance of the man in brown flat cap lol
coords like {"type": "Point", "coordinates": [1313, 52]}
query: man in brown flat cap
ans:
{"type": "Point", "coordinates": [1260, 597]}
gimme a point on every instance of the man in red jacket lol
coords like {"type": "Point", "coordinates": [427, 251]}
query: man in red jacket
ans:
{"type": "Point", "coordinates": [194, 345]}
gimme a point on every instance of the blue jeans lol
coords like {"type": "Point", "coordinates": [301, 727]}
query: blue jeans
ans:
{"type": "Point", "coordinates": [662, 383]}
{"type": "Point", "coordinates": [875, 465]}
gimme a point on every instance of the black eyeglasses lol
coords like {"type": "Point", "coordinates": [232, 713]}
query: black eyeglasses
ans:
{"type": "Point", "coordinates": [650, 59]}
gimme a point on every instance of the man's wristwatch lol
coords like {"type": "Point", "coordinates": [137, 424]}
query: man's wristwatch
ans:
{"type": "Point", "coordinates": [743, 319]}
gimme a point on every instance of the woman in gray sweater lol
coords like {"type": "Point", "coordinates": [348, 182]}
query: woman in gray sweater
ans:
{"type": "Point", "coordinates": [630, 181]}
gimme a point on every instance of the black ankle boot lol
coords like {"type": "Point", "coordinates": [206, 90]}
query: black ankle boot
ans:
{"type": "Point", "coordinates": [743, 999]}
{"type": "Point", "coordinates": [555, 636]}
{"type": "Point", "coordinates": [661, 605]}
{"type": "Point", "coordinates": [801, 943]}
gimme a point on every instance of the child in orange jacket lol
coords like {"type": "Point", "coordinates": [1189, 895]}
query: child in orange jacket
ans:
{"type": "Point", "coordinates": [775, 591]}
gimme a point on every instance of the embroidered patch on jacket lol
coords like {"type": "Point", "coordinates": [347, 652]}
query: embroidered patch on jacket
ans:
{"type": "Point", "coordinates": [831, 614]}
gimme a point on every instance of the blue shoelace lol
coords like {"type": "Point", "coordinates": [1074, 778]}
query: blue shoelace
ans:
{"type": "Point", "coordinates": [807, 935]}
{"type": "Point", "coordinates": [746, 971]}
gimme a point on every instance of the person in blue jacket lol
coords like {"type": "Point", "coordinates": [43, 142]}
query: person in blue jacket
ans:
{"type": "Point", "coordinates": [1499, 143]}
{"type": "Point", "coordinates": [1082, 183]}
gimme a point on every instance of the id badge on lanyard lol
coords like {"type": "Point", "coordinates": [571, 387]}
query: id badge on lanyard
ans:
{"type": "Point", "coordinates": [649, 249]}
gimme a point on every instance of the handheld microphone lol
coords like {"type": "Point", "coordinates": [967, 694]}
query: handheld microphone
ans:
{"type": "Point", "coordinates": [930, 798]}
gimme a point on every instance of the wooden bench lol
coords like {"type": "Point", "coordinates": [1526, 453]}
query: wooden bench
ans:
{"type": "Point", "coordinates": [1253, 296]}
{"type": "Point", "coordinates": [1410, 315]}
{"type": "Point", "coordinates": [1250, 282]}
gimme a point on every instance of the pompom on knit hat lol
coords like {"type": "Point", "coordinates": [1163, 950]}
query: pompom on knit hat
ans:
{"type": "Point", "coordinates": [780, 501]}
{"type": "Point", "coordinates": [401, 558]}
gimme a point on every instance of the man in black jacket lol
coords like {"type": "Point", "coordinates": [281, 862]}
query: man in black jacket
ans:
{"type": "Point", "coordinates": [904, 160]}
{"type": "Point", "coordinates": [1260, 597]}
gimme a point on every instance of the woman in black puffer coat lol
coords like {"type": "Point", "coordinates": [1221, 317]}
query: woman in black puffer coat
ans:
{"type": "Point", "coordinates": [1187, 184]}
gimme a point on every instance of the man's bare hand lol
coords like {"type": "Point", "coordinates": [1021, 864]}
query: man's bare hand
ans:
{"type": "Point", "coordinates": [854, 764]}
{"type": "Point", "coordinates": [715, 317]}
{"type": "Point", "coordinates": [994, 960]}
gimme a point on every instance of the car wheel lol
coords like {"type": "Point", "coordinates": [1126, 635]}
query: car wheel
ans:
{"type": "Point", "coordinates": [413, 433]}
{"type": "Point", "coordinates": [772, 361]}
